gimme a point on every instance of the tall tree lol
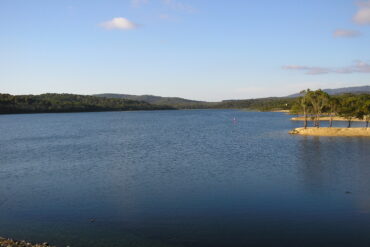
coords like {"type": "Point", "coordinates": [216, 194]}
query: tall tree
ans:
{"type": "Point", "coordinates": [364, 112]}
{"type": "Point", "coordinates": [319, 100]}
{"type": "Point", "coordinates": [305, 106]}
{"type": "Point", "coordinates": [349, 108]}
{"type": "Point", "coordinates": [333, 106]}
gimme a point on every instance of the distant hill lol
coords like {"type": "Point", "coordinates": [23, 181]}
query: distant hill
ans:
{"type": "Point", "coordinates": [336, 91]}
{"type": "Point", "coordinates": [261, 104]}
{"type": "Point", "coordinates": [158, 100]}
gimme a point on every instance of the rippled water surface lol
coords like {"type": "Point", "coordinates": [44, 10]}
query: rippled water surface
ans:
{"type": "Point", "coordinates": [180, 178]}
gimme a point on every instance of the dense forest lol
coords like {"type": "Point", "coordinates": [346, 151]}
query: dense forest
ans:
{"type": "Point", "coordinates": [177, 102]}
{"type": "Point", "coordinates": [315, 104]}
{"type": "Point", "coordinates": [79, 103]}
{"type": "Point", "coordinates": [262, 104]}
{"type": "Point", "coordinates": [69, 103]}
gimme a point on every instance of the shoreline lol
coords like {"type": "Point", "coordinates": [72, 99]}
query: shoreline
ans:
{"type": "Point", "coordinates": [326, 131]}
{"type": "Point", "coordinates": [327, 119]}
{"type": "Point", "coordinates": [283, 111]}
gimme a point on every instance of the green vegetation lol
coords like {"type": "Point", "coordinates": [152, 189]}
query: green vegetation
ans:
{"type": "Point", "coordinates": [69, 103]}
{"type": "Point", "coordinates": [315, 104]}
{"type": "Point", "coordinates": [262, 104]}
{"type": "Point", "coordinates": [176, 102]}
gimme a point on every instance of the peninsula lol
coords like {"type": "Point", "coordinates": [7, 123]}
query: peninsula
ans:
{"type": "Point", "coordinates": [317, 106]}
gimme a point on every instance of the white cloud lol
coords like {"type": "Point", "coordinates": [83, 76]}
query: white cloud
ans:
{"type": "Point", "coordinates": [138, 3]}
{"type": "Point", "coordinates": [345, 33]}
{"type": "Point", "coordinates": [120, 23]}
{"type": "Point", "coordinates": [362, 16]}
{"type": "Point", "coordinates": [357, 67]}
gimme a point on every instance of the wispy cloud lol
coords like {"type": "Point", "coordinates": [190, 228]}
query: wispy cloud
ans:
{"type": "Point", "coordinates": [164, 16]}
{"type": "Point", "coordinates": [174, 4]}
{"type": "Point", "coordinates": [357, 67]}
{"type": "Point", "coordinates": [120, 23]}
{"type": "Point", "coordinates": [138, 3]}
{"type": "Point", "coordinates": [345, 33]}
{"type": "Point", "coordinates": [308, 69]}
{"type": "Point", "coordinates": [362, 16]}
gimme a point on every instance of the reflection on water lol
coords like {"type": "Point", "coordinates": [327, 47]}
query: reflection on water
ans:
{"type": "Point", "coordinates": [180, 178]}
{"type": "Point", "coordinates": [310, 152]}
{"type": "Point", "coordinates": [335, 161]}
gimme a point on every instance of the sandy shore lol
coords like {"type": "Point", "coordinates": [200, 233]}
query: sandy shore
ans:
{"type": "Point", "coordinates": [313, 131]}
{"type": "Point", "coordinates": [326, 119]}
{"type": "Point", "coordinates": [13, 243]}
{"type": "Point", "coordinates": [284, 111]}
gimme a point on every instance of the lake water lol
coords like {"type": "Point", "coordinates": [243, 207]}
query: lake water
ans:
{"type": "Point", "coordinates": [180, 178]}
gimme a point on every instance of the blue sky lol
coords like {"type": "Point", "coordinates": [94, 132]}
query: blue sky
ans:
{"type": "Point", "coordinates": [197, 49]}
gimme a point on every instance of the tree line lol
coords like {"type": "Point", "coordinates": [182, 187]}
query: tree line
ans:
{"type": "Point", "coordinates": [81, 103]}
{"type": "Point", "coordinates": [312, 105]}
{"type": "Point", "coordinates": [50, 103]}
{"type": "Point", "coordinates": [315, 104]}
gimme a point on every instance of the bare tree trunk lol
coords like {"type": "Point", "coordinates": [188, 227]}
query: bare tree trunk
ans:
{"type": "Point", "coordinates": [349, 122]}
{"type": "Point", "coordinates": [318, 119]}
{"type": "Point", "coordinates": [305, 120]}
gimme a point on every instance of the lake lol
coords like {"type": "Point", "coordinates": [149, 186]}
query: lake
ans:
{"type": "Point", "coordinates": [180, 178]}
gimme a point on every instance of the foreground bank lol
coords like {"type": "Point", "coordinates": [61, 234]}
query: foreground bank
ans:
{"type": "Point", "coordinates": [313, 131]}
{"type": "Point", "coordinates": [13, 243]}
